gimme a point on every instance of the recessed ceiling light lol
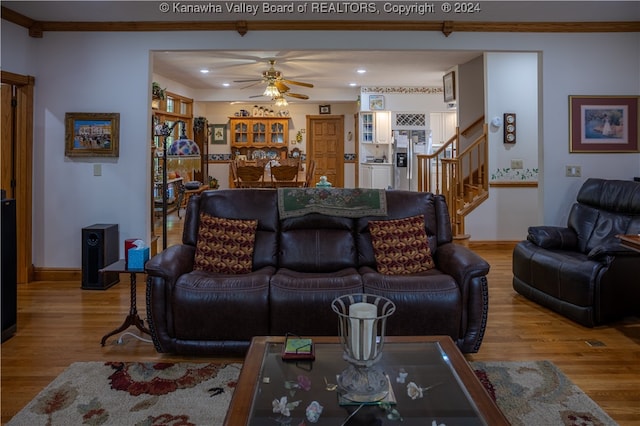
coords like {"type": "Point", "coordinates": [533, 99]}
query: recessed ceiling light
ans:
{"type": "Point", "coordinates": [204, 71]}
{"type": "Point", "coordinates": [361, 71]}
{"type": "Point", "coordinates": [226, 84]}
{"type": "Point", "coordinates": [353, 84]}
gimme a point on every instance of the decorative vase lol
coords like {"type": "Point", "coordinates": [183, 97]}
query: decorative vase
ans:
{"type": "Point", "coordinates": [362, 319]}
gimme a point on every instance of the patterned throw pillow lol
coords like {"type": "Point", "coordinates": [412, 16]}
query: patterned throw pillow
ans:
{"type": "Point", "coordinates": [225, 245]}
{"type": "Point", "coordinates": [400, 246]}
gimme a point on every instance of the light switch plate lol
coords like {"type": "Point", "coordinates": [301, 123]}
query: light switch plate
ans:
{"type": "Point", "coordinates": [573, 171]}
{"type": "Point", "coordinates": [97, 169]}
{"type": "Point", "coordinates": [517, 164]}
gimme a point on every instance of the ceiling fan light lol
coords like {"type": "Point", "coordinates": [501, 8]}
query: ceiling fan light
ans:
{"type": "Point", "coordinates": [281, 101]}
{"type": "Point", "coordinates": [271, 91]}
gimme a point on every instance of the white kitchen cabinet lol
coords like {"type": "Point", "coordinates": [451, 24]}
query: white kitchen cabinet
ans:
{"type": "Point", "coordinates": [375, 127]}
{"type": "Point", "coordinates": [375, 175]}
{"type": "Point", "coordinates": [443, 126]}
{"type": "Point", "coordinates": [375, 136]}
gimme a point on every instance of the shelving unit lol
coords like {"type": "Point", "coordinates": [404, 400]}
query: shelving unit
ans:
{"type": "Point", "coordinates": [174, 195]}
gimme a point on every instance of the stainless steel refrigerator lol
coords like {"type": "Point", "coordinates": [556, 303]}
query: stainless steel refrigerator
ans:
{"type": "Point", "coordinates": [407, 145]}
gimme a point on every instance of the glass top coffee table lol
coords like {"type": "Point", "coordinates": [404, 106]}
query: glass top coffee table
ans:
{"type": "Point", "coordinates": [451, 393]}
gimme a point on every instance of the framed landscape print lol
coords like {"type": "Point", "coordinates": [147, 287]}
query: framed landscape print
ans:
{"type": "Point", "coordinates": [603, 124]}
{"type": "Point", "coordinates": [376, 102]}
{"type": "Point", "coordinates": [89, 134]}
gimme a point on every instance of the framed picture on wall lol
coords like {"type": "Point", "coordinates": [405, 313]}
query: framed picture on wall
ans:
{"type": "Point", "coordinates": [325, 109]}
{"type": "Point", "coordinates": [218, 134]}
{"type": "Point", "coordinates": [90, 134]}
{"type": "Point", "coordinates": [603, 124]}
{"type": "Point", "coordinates": [449, 84]}
{"type": "Point", "coordinates": [376, 102]}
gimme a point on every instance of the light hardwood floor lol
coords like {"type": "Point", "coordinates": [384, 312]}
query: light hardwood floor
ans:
{"type": "Point", "coordinates": [59, 323]}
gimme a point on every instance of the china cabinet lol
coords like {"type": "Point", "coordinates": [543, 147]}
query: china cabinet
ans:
{"type": "Point", "coordinates": [257, 138]}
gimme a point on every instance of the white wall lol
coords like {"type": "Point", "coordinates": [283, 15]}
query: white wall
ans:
{"type": "Point", "coordinates": [604, 64]}
{"type": "Point", "coordinates": [110, 72]}
{"type": "Point", "coordinates": [511, 85]}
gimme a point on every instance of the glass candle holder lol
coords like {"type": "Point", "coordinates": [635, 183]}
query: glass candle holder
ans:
{"type": "Point", "coordinates": [362, 319]}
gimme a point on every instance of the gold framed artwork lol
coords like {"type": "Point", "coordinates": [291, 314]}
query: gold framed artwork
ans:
{"type": "Point", "coordinates": [449, 83]}
{"type": "Point", "coordinates": [89, 134]}
{"type": "Point", "coordinates": [603, 124]}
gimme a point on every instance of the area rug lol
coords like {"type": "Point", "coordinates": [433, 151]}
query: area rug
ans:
{"type": "Point", "coordinates": [185, 394]}
{"type": "Point", "coordinates": [538, 393]}
{"type": "Point", "coordinates": [347, 202]}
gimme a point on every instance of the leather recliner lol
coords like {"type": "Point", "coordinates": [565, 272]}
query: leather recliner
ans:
{"type": "Point", "coordinates": [582, 271]}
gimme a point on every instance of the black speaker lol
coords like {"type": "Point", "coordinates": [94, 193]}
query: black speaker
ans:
{"type": "Point", "coordinates": [8, 262]}
{"type": "Point", "coordinates": [100, 248]}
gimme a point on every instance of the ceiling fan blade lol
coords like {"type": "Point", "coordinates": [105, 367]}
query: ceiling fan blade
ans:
{"type": "Point", "coordinates": [256, 96]}
{"type": "Point", "coordinates": [281, 86]}
{"type": "Point", "coordinates": [297, 95]}
{"type": "Point", "coordinates": [298, 83]}
{"type": "Point", "coordinates": [251, 85]}
{"type": "Point", "coordinates": [247, 81]}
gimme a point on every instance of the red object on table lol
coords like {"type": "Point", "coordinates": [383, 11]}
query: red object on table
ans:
{"type": "Point", "coordinates": [128, 243]}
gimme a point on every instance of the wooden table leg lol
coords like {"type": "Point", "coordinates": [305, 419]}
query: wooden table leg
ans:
{"type": "Point", "coordinates": [133, 318]}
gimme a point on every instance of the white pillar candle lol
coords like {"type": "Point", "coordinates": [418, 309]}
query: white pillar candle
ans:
{"type": "Point", "coordinates": [358, 311]}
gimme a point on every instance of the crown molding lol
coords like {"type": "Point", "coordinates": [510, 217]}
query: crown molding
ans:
{"type": "Point", "coordinates": [38, 28]}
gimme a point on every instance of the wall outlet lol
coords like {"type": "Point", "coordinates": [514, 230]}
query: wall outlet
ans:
{"type": "Point", "coordinates": [517, 164]}
{"type": "Point", "coordinates": [573, 171]}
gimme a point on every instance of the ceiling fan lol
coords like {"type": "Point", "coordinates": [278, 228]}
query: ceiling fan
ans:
{"type": "Point", "coordinates": [276, 86]}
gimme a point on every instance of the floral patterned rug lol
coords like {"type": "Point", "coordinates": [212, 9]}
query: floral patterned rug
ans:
{"type": "Point", "coordinates": [538, 393]}
{"type": "Point", "coordinates": [185, 394]}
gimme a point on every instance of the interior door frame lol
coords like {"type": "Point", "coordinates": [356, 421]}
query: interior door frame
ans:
{"type": "Point", "coordinates": [21, 141]}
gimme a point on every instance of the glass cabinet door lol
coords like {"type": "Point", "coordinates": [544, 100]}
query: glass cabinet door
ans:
{"type": "Point", "coordinates": [241, 132]}
{"type": "Point", "coordinates": [259, 132]}
{"type": "Point", "coordinates": [277, 132]}
{"type": "Point", "coordinates": [367, 127]}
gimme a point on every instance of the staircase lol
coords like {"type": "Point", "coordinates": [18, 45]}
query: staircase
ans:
{"type": "Point", "coordinates": [462, 176]}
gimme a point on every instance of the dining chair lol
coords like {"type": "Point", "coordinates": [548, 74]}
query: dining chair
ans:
{"type": "Point", "coordinates": [311, 169]}
{"type": "Point", "coordinates": [250, 177]}
{"type": "Point", "coordinates": [284, 176]}
{"type": "Point", "coordinates": [233, 166]}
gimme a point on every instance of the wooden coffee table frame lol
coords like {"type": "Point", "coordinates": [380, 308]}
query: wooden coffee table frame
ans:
{"type": "Point", "coordinates": [630, 241]}
{"type": "Point", "coordinates": [240, 407]}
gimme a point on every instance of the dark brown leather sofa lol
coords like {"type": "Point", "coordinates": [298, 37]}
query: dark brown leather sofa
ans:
{"type": "Point", "coordinates": [300, 264]}
{"type": "Point", "coordinates": [581, 271]}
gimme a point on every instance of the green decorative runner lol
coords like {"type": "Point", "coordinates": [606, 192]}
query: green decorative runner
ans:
{"type": "Point", "coordinates": [346, 202]}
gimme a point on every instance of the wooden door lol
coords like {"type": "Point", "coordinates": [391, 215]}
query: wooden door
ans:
{"type": "Point", "coordinates": [16, 145]}
{"type": "Point", "coordinates": [325, 145]}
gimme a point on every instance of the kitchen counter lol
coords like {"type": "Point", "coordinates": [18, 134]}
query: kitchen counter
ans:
{"type": "Point", "coordinates": [373, 163]}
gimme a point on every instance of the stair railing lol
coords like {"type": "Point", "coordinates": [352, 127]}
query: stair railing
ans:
{"type": "Point", "coordinates": [461, 176]}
